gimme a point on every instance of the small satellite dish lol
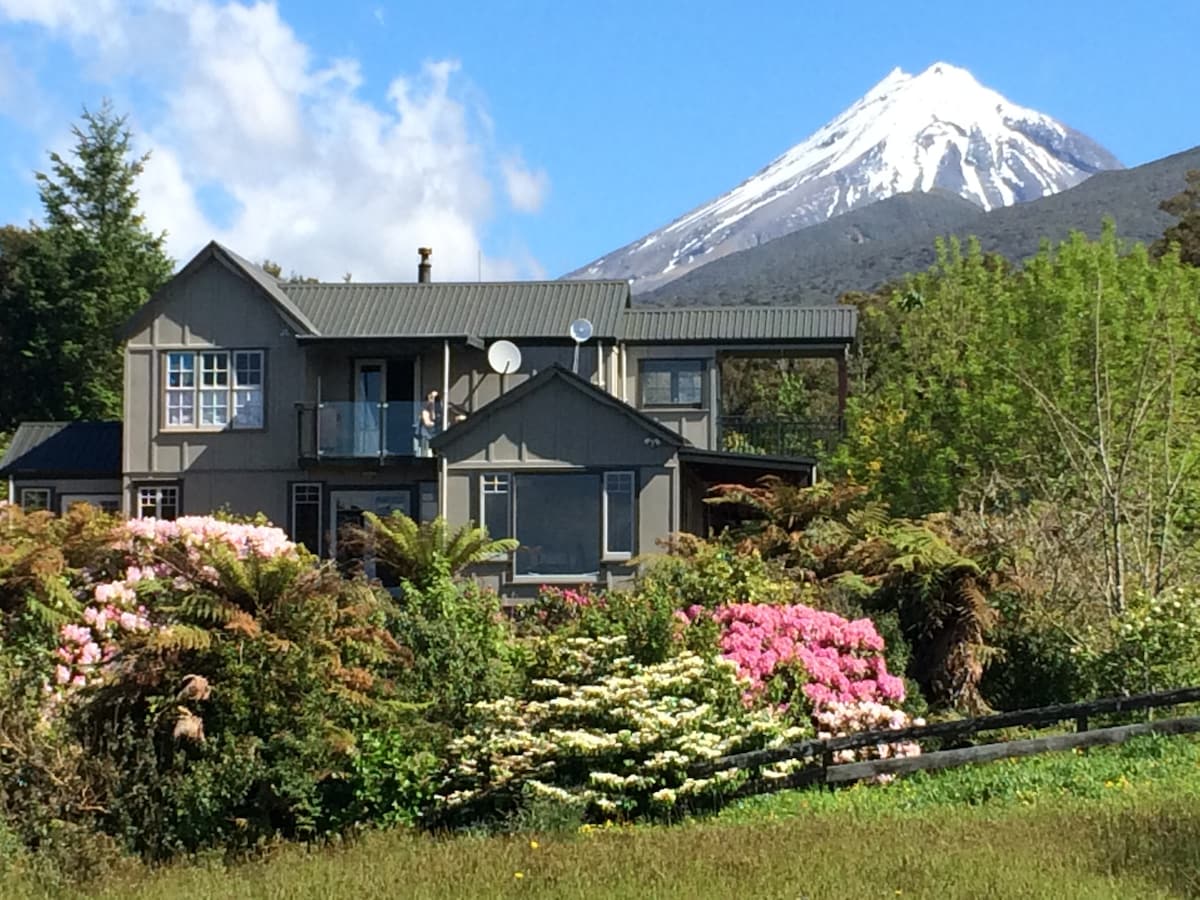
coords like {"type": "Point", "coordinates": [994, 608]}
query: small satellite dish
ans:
{"type": "Point", "coordinates": [504, 357]}
{"type": "Point", "coordinates": [581, 330]}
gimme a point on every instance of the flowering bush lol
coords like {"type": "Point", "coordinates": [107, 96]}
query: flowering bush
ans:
{"type": "Point", "coordinates": [790, 653]}
{"type": "Point", "coordinates": [1153, 645]}
{"type": "Point", "coordinates": [645, 619]}
{"type": "Point", "coordinates": [160, 560]}
{"type": "Point", "coordinates": [221, 675]}
{"type": "Point", "coordinates": [838, 719]}
{"type": "Point", "coordinates": [606, 735]}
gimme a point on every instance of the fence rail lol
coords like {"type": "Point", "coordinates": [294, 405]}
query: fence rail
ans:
{"type": "Point", "coordinates": [822, 750]}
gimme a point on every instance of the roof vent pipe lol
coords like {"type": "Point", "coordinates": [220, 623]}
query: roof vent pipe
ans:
{"type": "Point", "coordinates": [425, 266]}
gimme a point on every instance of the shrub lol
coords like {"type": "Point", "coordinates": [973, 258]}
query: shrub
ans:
{"type": "Point", "coordinates": [710, 573]}
{"type": "Point", "coordinates": [647, 620]}
{"type": "Point", "coordinates": [221, 674]}
{"type": "Point", "coordinates": [795, 654]}
{"type": "Point", "coordinates": [604, 735]}
{"type": "Point", "coordinates": [1154, 645]}
{"type": "Point", "coordinates": [460, 645]}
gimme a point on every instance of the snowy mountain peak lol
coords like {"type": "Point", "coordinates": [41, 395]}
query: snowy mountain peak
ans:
{"type": "Point", "coordinates": [940, 129]}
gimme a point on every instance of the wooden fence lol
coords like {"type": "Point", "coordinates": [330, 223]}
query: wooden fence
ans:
{"type": "Point", "coordinates": [824, 771]}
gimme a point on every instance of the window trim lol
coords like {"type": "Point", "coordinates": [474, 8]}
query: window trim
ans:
{"type": "Point", "coordinates": [138, 487]}
{"type": "Point", "coordinates": [652, 362]}
{"type": "Point", "coordinates": [320, 487]}
{"type": "Point", "coordinates": [198, 389]}
{"type": "Point", "coordinates": [511, 523]}
{"type": "Point", "coordinates": [607, 555]}
{"type": "Point", "coordinates": [48, 491]}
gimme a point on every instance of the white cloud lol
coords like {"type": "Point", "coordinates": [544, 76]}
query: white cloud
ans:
{"type": "Point", "coordinates": [315, 175]}
{"type": "Point", "coordinates": [527, 188]}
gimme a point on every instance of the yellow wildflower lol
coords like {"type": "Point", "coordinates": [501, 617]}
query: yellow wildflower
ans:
{"type": "Point", "coordinates": [518, 874]}
{"type": "Point", "coordinates": [533, 845]}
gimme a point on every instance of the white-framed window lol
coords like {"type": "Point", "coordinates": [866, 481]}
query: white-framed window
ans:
{"type": "Point", "coordinates": [617, 510]}
{"type": "Point", "coordinates": [495, 504]}
{"type": "Point", "coordinates": [214, 389]}
{"type": "Point", "coordinates": [672, 382]}
{"type": "Point", "coordinates": [158, 501]}
{"type": "Point", "coordinates": [35, 499]}
{"type": "Point", "coordinates": [306, 515]}
{"type": "Point", "coordinates": [567, 523]}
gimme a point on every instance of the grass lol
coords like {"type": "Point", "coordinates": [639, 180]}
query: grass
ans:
{"type": "Point", "coordinates": [1120, 822]}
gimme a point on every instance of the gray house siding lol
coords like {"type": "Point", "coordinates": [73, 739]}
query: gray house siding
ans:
{"type": "Point", "coordinates": [245, 470]}
{"type": "Point", "coordinates": [66, 490]}
{"type": "Point", "coordinates": [557, 428]}
{"type": "Point", "coordinates": [695, 425]}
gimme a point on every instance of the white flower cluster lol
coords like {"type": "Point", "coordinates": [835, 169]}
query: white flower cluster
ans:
{"type": "Point", "coordinates": [609, 735]}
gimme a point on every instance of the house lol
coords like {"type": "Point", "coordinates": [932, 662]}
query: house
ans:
{"type": "Point", "coordinates": [304, 402]}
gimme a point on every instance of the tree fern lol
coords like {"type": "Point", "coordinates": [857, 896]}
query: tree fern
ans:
{"type": "Point", "coordinates": [417, 553]}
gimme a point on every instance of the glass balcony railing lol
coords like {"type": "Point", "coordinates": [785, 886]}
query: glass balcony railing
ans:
{"type": "Point", "coordinates": [346, 429]}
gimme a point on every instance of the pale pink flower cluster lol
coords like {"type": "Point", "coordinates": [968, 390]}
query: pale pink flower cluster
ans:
{"type": "Point", "coordinates": [841, 719]}
{"type": "Point", "coordinates": [264, 541]}
{"type": "Point", "coordinates": [85, 649]}
{"type": "Point", "coordinates": [841, 659]}
{"type": "Point", "coordinates": [113, 609]}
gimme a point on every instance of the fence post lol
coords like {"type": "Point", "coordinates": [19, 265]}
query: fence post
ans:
{"type": "Point", "coordinates": [1081, 722]}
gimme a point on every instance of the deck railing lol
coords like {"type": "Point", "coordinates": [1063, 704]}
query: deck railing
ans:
{"type": "Point", "coordinates": [347, 429]}
{"type": "Point", "coordinates": [779, 436]}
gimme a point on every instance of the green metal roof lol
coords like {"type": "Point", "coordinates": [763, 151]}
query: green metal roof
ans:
{"type": "Point", "coordinates": [81, 449]}
{"type": "Point", "coordinates": [722, 324]}
{"type": "Point", "coordinates": [519, 309]}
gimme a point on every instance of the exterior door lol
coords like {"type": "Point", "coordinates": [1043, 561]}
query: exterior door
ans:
{"type": "Point", "coordinates": [370, 393]}
{"type": "Point", "coordinates": [346, 509]}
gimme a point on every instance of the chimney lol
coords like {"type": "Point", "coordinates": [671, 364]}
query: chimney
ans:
{"type": "Point", "coordinates": [425, 266]}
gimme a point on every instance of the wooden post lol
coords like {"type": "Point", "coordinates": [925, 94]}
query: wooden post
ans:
{"type": "Point", "coordinates": [1081, 722]}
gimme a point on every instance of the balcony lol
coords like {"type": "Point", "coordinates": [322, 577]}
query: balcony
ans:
{"type": "Point", "coordinates": [350, 430]}
{"type": "Point", "coordinates": [779, 436]}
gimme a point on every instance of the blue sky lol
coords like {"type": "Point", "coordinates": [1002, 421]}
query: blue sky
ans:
{"type": "Point", "coordinates": [526, 137]}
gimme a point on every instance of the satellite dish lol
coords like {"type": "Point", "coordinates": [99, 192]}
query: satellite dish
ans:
{"type": "Point", "coordinates": [581, 330]}
{"type": "Point", "coordinates": [504, 357]}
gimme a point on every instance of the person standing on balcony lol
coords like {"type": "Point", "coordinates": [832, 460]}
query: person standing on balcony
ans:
{"type": "Point", "coordinates": [431, 419]}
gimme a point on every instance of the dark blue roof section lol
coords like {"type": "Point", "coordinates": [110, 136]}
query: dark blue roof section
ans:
{"type": "Point", "coordinates": [65, 449]}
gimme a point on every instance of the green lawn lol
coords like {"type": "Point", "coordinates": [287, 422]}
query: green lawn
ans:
{"type": "Point", "coordinates": [1122, 823]}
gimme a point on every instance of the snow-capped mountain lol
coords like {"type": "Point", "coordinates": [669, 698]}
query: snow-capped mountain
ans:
{"type": "Point", "coordinates": [941, 129]}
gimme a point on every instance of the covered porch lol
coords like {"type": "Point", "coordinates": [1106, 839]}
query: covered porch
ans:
{"type": "Point", "coordinates": [366, 397]}
{"type": "Point", "coordinates": [787, 402]}
{"type": "Point", "coordinates": [701, 470]}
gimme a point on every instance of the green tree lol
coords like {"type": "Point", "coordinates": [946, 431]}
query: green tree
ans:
{"type": "Point", "coordinates": [1184, 206]}
{"type": "Point", "coordinates": [1075, 379]}
{"type": "Point", "coordinates": [77, 278]}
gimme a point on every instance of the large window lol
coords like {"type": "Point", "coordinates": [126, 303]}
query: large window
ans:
{"type": "Point", "coordinates": [672, 382]}
{"type": "Point", "coordinates": [558, 524]}
{"type": "Point", "coordinates": [158, 501]}
{"type": "Point", "coordinates": [214, 389]}
{"type": "Point", "coordinates": [566, 523]}
{"type": "Point", "coordinates": [306, 515]}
